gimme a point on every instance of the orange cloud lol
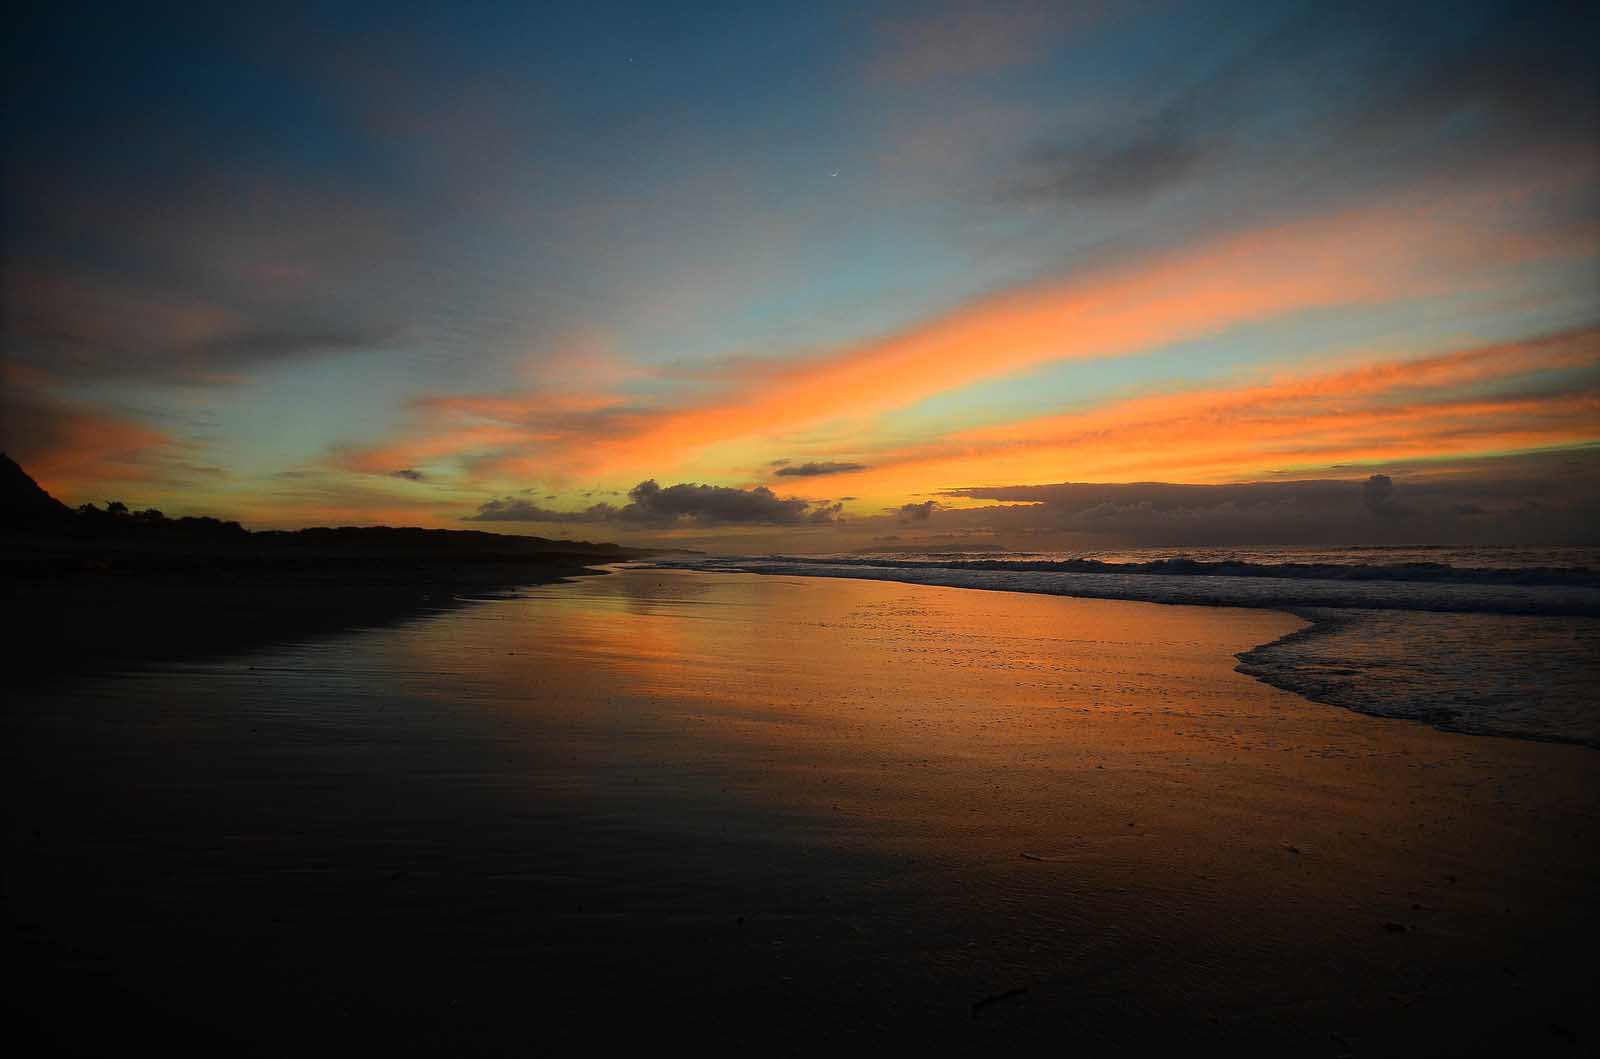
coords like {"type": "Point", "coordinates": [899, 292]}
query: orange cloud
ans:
{"type": "Point", "coordinates": [1370, 413]}
{"type": "Point", "coordinates": [502, 434]}
{"type": "Point", "coordinates": [1399, 252]}
{"type": "Point", "coordinates": [70, 448]}
{"type": "Point", "coordinates": [1191, 294]}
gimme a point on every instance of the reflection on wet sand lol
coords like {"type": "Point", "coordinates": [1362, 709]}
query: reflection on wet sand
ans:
{"type": "Point", "coordinates": [797, 814]}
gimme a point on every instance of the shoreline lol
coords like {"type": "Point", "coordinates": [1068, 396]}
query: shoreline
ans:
{"type": "Point", "coordinates": [1513, 598]}
{"type": "Point", "coordinates": [1322, 621]}
{"type": "Point", "coordinates": [1322, 625]}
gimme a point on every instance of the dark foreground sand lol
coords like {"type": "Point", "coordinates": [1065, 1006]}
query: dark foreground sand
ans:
{"type": "Point", "coordinates": [109, 611]}
{"type": "Point", "coordinates": [784, 816]}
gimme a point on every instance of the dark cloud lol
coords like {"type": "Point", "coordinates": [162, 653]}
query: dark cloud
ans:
{"type": "Point", "coordinates": [1528, 77]}
{"type": "Point", "coordinates": [1536, 499]}
{"type": "Point", "coordinates": [1521, 81]}
{"type": "Point", "coordinates": [720, 505]}
{"type": "Point", "coordinates": [650, 504]}
{"type": "Point", "coordinates": [168, 331]}
{"type": "Point", "coordinates": [1132, 162]}
{"type": "Point", "coordinates": [1377, 493]}
{"type": "Point", "coordinates": [410, 474]}
{"type": "Point", "coordinates": [516, 509]}
{"type": "Point", "coordinates": [146, 242]}
{"type": "Point", "coordinates": [918, 512]}
{"type": "Point", "coordinates": [812, 470]}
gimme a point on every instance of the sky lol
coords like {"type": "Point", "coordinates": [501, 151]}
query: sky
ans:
{"type": "Point", "coordinates": [812, 276]}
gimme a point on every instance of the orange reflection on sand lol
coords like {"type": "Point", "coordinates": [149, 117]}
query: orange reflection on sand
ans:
{"type": "Point", "coordinates": [810, 686]}
{"type": "Point", "coordinates": [963, 727]}
{"type": "Point", "coordinates": [1075, 791]}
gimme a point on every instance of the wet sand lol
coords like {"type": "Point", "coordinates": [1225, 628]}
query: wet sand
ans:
{"type": "Point", "coordinates": [790, 815]}
{"type": "Point", "coordinates": [111, 611]}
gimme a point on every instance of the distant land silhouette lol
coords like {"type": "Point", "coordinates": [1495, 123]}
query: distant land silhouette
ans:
{"type": "Point", "coordinates": [27, 509]}
{"type": "Point", "coordinates": [95, 587]}
{"type": "Point", "coordinates": [23, 503]}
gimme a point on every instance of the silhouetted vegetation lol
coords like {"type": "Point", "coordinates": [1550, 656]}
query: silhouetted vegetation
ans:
{"type": "Point", "coordinates": [27, 510]}
{"type": "Point", "coordinates": [117, 521]}
{"type": "Point", "coordinates": [109, 586]}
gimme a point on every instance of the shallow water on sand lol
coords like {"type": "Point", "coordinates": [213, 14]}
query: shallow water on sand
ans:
{"type": "Point", "coordinates": [1522, 675]}
{"type": "Point", "coordinates": [759, 812]}
{"type": "Point", "coordinates": [1495, 641]}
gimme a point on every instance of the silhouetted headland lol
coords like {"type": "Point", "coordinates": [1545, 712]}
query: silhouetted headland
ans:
{"type": "Point", "coordinates": [98, 587]}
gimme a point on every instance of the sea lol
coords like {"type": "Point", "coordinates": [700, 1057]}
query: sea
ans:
{"type": "Point", "coordinates": [1485, 640]}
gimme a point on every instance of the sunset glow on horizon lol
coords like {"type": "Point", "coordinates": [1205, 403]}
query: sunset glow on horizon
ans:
{"type": "Point", "coordinates": [853, 275]}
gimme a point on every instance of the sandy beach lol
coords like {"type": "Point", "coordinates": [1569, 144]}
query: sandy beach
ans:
{"type": "Point", "coordinates": [91, 607]}
{"type": "Point", "coordinates": [659, 805]}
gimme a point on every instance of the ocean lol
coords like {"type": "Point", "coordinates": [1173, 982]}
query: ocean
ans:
{"type": "Point", "coordinates": [1491, 641]}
